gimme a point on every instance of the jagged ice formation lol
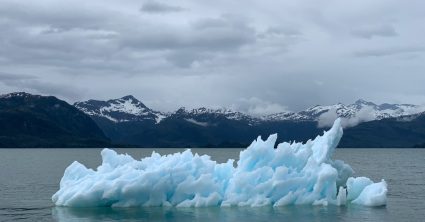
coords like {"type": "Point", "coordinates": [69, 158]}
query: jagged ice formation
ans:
{"type": "Point", "coordinates": [290, 174]}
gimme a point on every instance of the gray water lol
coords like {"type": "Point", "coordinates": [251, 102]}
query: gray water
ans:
{"type": "Point", "coordinates": [29, 177]}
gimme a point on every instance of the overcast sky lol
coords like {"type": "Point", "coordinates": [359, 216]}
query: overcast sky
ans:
{"type": "Point", "coordinates": [254, 56]}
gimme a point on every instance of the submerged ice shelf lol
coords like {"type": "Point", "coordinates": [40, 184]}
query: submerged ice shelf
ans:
{"type": "Point", "coordinates": [290, 174]}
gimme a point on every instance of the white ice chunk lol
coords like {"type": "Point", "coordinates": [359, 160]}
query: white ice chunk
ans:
{"type": "Point", "coordinates": [289, 174]}
{"type": "Point", "coordinates": [356, 185]}
{"type": "Point", "coordinates": [373, 195]}
{"type": "Point", "coordinates": [341, 198]}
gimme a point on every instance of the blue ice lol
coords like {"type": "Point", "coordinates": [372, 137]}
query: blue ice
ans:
{"type": "Point", "coordinates": [292, 173]}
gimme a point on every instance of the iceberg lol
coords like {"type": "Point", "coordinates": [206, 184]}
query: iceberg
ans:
{"type": "Point", "coordinates": [291, 173]}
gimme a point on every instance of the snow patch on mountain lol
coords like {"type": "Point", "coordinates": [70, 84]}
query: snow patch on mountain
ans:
{"type": "Point", "coordinates": [159, 117]}
{"type": "Point", "coordinates": [128, 106]}
{"type": "Point", "coordinates": [123, 109]}
{"type": "Point", "coordinates": [204, 124]}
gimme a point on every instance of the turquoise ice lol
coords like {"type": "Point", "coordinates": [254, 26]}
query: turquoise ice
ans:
{"type": "Point", "coordinates": [292, 173]}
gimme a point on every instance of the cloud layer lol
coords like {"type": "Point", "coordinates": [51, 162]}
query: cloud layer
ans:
{"type": "Point", "coordinates": [255, 56]}
{"type": "Point", "coordinates": [364, 115]}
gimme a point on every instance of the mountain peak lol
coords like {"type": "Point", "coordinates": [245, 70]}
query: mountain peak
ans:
{"type": "Point", "coordinates": [364, 102]}
{"type": "Point", "coordinates": [360, 101]}
{"type": "Point", "coordinates": [181, 110]}
{"type": "Point", "coordinates": [129, 97]}
{"type": "Point", "coordinates": [124, 109]}
{"type": "Point", "coordinates": [127, 102]}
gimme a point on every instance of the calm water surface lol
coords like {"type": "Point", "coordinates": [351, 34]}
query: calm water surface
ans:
{"type": "Point", "coordinates": [29, 177]}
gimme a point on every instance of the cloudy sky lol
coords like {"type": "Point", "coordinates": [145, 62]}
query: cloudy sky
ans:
{"type": "Point", "coordinates": [255, 56]}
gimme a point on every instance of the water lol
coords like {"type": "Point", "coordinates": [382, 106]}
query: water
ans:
{"type": "Point", "coordinates": [29, 177]}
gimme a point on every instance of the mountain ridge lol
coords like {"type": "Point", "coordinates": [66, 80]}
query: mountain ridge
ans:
{"type": "Point", "coordinates": [140, 112]}
{"type": "Point", "coordinates": [45, 121]}
{"type": "Point", "coordinates": [207, 127]}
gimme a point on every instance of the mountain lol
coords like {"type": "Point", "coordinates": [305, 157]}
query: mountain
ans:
{"type": "Point", "coordinates": [128, 108]}
{"type": "Point", "coordinates": [359, 108]}
{"type": "Point", "coordinates": [124, 109]}
{"type": "Point", "coordinates": [44, 121]}
{"type": "Point", "coordinates": [128, 121]}
{"type": "Point", "coordinates": [205, 116]}
{"type": "Point", "coordinates": [397, 132]}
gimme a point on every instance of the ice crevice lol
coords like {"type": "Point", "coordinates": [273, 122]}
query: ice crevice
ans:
{"type": "Point", "coordinates": [292, 173]}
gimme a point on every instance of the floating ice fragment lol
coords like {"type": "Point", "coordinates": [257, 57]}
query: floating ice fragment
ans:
{"type": "Point", "coordinates": [356, 185]}
{"type": "Point", "coordinates": [290, 174]}
{"type": "Point", "coordinates": [373, 195]}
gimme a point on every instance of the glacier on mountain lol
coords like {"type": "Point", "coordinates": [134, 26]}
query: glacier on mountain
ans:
{"type": "Point", "coordinates": [289, 174]}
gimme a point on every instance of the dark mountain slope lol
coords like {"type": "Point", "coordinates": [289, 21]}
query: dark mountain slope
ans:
{"type": "Point", "coordinates": [44, 121]}
{"type": "Point", "coordinates": [407, 131]}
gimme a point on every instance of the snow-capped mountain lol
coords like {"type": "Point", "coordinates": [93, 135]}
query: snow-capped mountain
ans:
{"type": "Point", "coordinates": [359, 108]}
{"type": "Point", "coordinates": [128, 122]}
{"type": "Point", "coordinates": [204, 116]}
{"type": "Point", "coordinates": [129, 108]}
{"type": "Point", "coordinates": [123, 109]}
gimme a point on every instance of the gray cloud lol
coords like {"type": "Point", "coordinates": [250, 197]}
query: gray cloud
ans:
{"type": "Point", "coordinates": [158, 7]}
{"type": "Point", "coordinates": [286, 55]}
{"type": "Point", "coordinates": [389, 51]}
{"type": "Point", "coordinates": [5, 77]}
{"type": "Point", "coordinates": [258, 107]}
{"type": "Point", "coordinates": [369, 32]}
{"type": "Point", "coordinates": [204, 38]}
{"type": "Point", "coordinates": [364, 115]}
{"type": "Point", "coordinates": [203, 34]}
{"type": "Point", "coordinates": [31, 83]}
